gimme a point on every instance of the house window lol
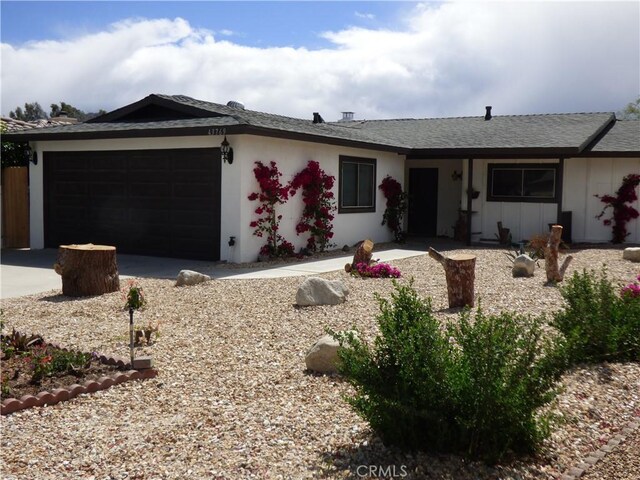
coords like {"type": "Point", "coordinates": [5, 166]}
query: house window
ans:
{"type": "Point", "coordinates": [357, 185]}
{"type": "Point", "coordinates": [522, 182]}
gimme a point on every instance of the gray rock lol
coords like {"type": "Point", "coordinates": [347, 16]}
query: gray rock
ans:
{"type": "Point", "coordinates": [318, 291]}
{"type": "Point", "coordinates": [322, 357]}
{"type": "Point", "coordinates": [631, 253]}
{"type": "Point", "coordinates": [523, 266]}
{"type": "Point", "coordinates": [189, 277]}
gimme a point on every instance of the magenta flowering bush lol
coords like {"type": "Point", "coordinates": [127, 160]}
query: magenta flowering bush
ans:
{"type": "Point", "coordinates": [271, 193]}
{"type": "Point", "coordinates": [319, 205]}
{"type": "Point", "coordinates": [378, 270]}
{"type": "Point", "coordinates": [633, 289]}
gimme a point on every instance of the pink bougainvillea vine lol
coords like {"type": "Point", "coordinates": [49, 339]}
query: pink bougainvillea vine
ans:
{"type": "Point", "coordinates": [271, 193]}
{"type": "Point", "coordinates": [396, 206]}
{"type": "Point", "coordinates": [623, 212]}
{"type": "Point", "coordinates": [317, 215]}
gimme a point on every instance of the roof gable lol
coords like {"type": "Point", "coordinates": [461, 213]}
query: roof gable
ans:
{"type": "Point", "coordinates": [155, 108]}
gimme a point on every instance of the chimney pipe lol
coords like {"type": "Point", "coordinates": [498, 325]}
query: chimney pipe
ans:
{"type": "Point", "coordinates": [347, 116]}
{"type": "Point", "coordinates": [487, 116]}
{"type": "Point", "coordinates": [317, 118]}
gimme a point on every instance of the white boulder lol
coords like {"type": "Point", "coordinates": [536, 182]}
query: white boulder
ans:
{"type": "Point", "coordinates": [318, 291]}
{"type": "Point", "coordinates": [523, 266]}
{"type": "Point", "coordinates": [322, 357]}
{"type": "Point", "coordinates": [631, 253]}
{"type": "Point", "coordinates": [189, 277]}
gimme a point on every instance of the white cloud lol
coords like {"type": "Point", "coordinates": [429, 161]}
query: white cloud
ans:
{"type": "Point", "coordinates": [449, 59]}
{"type": "Point", "coordinates": [366, 16]}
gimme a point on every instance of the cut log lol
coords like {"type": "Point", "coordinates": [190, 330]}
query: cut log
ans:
{"type": "Point", "coordinates": [555, 273]}
{"type": "Point", "coordinates": [87, 269]}
{"type": "Point", "coordinates": [362, 255]}
{"type": "Point", "coordinates": [460, 273]}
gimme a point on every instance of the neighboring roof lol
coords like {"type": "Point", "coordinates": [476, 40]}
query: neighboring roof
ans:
{"type": "Point", "coordinates": [14, 125]}
{"type": "Point", "coordinates": [624, 136]}
{"type": "Point", "coordinates": [552, 135]}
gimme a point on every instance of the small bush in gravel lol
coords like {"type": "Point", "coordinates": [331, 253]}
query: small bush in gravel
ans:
{"type": "Point", "coordinates": [474, 387]}
{"type": "Point", "coordinates": [598, 321]}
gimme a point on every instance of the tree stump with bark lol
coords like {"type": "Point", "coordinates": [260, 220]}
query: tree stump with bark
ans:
{"type": "Point", "coordinates": [460, 273]}
{"type": "Point", "coordinates": [87, 269]}
{"type": "Point", "coordinates": [555, 273]}
{"type": "Point", "coordinates": [362, 255]}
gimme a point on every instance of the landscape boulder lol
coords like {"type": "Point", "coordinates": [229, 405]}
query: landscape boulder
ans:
{"type": "Point", "coordinates": [523, 266]}
{"type": "Point", "coordinates": [322, 357]}
{"type": "Point", "coordinates": [631, 253]}
{"type": "Point", "coordinates": [189, 277]}
{"type": "Point", "coordinates": [318, 291]}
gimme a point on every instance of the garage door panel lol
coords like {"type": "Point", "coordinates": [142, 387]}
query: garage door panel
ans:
{"type": "Point", "coordinates": [149, 189]}
{"type": "Point", "coordinates": [152, 202]}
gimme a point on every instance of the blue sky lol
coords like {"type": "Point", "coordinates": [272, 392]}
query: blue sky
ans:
{"type": "Point", "coordinates": [377, 59]}
{"type": "Point", "coordinates": [260, 24]}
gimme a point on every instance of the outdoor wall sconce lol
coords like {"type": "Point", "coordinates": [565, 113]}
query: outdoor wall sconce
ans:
{"type": "Point", "coordinates": [232, 241]}
{"type": "Point", "coordinates": [226, 152]}
{"type": "Point", "coordinates": [456, 175]}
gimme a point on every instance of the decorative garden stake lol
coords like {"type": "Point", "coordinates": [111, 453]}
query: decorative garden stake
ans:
{"type": "Point", "coordinates": [135, 301]}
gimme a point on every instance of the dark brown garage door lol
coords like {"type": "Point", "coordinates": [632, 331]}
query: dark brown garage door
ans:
{"type": "Point", "coordinates": [149, 202]}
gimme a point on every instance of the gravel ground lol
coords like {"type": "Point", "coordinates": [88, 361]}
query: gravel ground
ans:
{"type": "Point", "coordinates": [621, 464]}
{"type": "Point", "coordinates": [232, 399]}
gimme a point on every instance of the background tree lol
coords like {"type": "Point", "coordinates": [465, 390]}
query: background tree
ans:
{"type": "Point", "coordinates": [32, 111]}
{"type": "Point", "coordinates": [14, 154]}
{"type": "Point", "coordinates": [73, 112]}
{"type": "Point", "coordinates": [631, 111]}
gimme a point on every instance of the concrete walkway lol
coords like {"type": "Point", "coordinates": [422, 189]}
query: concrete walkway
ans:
{"type": "Point", "coordinates": [25, 272]}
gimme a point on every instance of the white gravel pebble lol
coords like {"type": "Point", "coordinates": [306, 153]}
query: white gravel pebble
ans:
{"type": "Point", "coordinates": [232, 399]}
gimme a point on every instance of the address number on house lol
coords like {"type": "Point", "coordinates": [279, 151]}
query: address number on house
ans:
{"type": "Point", "coordinates": [217, 131]}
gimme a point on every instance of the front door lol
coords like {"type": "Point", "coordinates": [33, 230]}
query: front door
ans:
{"type": "Point", "coordinates": [423, 201]}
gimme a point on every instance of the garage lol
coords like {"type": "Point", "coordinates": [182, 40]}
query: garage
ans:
{"type": "Point", "coordinates": [152, 202]}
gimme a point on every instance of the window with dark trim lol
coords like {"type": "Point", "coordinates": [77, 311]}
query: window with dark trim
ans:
{"type": "Point", "coordinates": [357, 185]}
{"type": "Point", "coordinates": [522, 182]}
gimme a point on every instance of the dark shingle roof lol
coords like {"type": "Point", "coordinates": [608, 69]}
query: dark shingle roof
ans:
{"type": "Point", "coordinates": [551, 135]}
{"type": "Point", "coordinates": [508, 132]}
{"type": "Point", "coordinates": [624, 136]}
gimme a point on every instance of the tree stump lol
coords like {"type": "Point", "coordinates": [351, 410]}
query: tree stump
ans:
{"type": "Point", "coordinates": [362, 255]}
{"type": "Point", "coordinates": [460, 273]}
{"type": "Point", "coordinates": [554, 272]}
{"type": "Point", "coordinates": [87, 269]}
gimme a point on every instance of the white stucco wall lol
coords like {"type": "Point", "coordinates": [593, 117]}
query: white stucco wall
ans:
{"type": "Point", "coordinates": [523, 219]}
{"type": "Point", "coordinates": [449, 191]}
{"type": "Point", "coordinates": [291, 157]}
{"type": "Point", "coordinates": [238, 182]}
{"type": "Point", "coordinates": [586, 177]}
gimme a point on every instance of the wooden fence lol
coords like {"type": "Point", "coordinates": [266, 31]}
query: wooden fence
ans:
{"type": "Point", "coordinates": [15, 207]}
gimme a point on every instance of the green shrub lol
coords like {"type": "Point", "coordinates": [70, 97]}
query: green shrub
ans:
{"type": "Point", "coordinates": [598, 322]}
{"type": "Point", "coordinates": [473, 387]}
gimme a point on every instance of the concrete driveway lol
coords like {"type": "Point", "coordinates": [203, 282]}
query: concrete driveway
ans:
{"type": "Point", "coordinates": [25, 272]}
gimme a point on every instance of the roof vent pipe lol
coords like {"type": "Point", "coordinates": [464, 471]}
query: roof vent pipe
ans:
{"type": "Point", "coordinates": [487, 116]}
{"type": "Point", "coordinates": [317, 118]}
{"type": "Point", "coordinates": [347, 116]}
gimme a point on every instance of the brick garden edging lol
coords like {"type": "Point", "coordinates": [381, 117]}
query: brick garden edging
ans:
{"type": "Point", "coordinates": [10, 405]}
{"type": "Point", "coordinates": [580, 469]}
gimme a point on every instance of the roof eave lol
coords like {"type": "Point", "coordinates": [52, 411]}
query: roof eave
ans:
{"type": "Point", "coordinates": [492, 153]}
